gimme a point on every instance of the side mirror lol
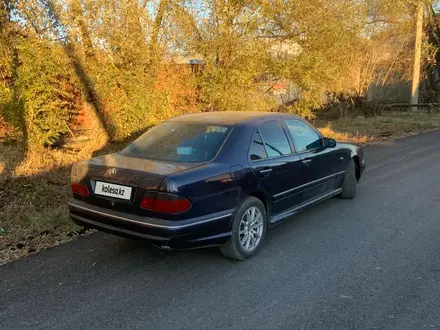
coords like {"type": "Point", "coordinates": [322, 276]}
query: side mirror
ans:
{"type": "Point", "coordinates": [329, 143]}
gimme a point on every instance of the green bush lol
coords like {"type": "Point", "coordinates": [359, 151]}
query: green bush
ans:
{"type": "Point", "coordinates": [46, 91]}
{"type": "Point", "coordinates": [41, 94]}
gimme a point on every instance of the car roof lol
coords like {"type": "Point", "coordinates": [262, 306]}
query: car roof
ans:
{"type": "Point", "coordinates": [231, 117]}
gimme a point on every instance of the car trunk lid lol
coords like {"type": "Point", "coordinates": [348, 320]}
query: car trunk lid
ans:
{"type": "Point", "coordinates": [134, 175]}
{"type": "Point", "coordinates": [144, 173]}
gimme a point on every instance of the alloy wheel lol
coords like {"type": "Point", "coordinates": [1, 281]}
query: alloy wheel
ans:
{"type": "Point", "coordinates": [251, 229]}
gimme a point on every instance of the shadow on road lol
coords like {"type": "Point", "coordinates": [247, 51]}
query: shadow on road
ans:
{"type": "Point", "coordinates": [113, 250]}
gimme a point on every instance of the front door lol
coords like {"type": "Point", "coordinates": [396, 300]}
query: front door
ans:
{"type": "Point", "coordinates": [275, 165]}
{"type": "Point", "coordinates": [319, 165]}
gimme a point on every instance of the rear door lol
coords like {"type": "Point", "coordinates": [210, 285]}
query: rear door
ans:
{"type": "Point", "coordinates": [319, 164]}
{"type": "Point", "coordinates": [277, 167]}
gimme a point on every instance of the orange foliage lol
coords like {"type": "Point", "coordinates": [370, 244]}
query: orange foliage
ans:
{"type": "Point", "coordinates": [345, 137]}
{"type": "Point", "coordinates": [178, 84]}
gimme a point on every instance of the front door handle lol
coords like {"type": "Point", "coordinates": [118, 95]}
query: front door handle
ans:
{"type": "Point", "coordinates": [307, 162]}
{"type": "Point", "coordinates": [266, 172]}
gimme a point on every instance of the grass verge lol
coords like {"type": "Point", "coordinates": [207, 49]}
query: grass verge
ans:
{"type": "Point", "coordinates": [34, 191]}
{"type": "Point", "coordinates": [391, 125]}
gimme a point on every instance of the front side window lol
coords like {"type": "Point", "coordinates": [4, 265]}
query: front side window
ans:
{"type": "Point", "coordinates": [275, 139]}
{"type": "Point", "coordinates": [179, 142]}
{"type": "Point", "coordinates": [304, 136]}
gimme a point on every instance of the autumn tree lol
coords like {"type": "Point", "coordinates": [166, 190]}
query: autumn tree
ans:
{"type": "Point", "coordinates": [59, 57]}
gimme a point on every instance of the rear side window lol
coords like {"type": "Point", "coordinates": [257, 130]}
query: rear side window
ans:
{"type": "Point", "coordinates": [179, 142]}
{"type": "Point", "coordinates": [304, 136]}
{"type": "Point", "coordinates": [257, 148]}
{"type": "Point", "coordinates": [275, 139]}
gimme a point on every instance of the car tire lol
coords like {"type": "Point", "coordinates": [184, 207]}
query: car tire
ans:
{"type": "Point", "coordinates": [350, 181]}
{"type": "Point", "coordinates": [254, 231]}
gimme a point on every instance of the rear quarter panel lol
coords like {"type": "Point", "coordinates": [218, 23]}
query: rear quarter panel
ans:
{"type": "Point", "coordinates": [211, 188]}
{"type": "Point", "coordinates": [217, 186]}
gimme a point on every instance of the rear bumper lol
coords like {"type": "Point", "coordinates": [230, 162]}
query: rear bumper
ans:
{"type": "Point", "coordinates": [214, 229]}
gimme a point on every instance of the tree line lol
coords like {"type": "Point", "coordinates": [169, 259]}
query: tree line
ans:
{"type": "Point", "coordinates": [123, 58]}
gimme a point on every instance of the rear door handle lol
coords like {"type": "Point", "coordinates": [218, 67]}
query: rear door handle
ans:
{"type": "Point", "coordinates": [266, 172]}
{"type": "Point", "coordinates": [307, 162]}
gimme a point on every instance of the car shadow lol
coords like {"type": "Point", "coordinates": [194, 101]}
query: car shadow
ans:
{"type": "Point", "coordinates": [296, 225]}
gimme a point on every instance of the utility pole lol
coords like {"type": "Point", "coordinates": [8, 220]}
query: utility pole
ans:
{"type": "Point", "coordinates": [417, 55]}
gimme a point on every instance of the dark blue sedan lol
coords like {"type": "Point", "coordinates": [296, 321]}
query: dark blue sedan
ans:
{"type": "Point", "coordinates": [213, 179]}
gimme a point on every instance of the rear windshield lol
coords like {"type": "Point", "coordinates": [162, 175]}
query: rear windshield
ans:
{"type": "Point", "coordinates": [179, 142]}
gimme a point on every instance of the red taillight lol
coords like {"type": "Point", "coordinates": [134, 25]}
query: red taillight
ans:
{"type": "Point", "coordinates": [172, 204]}
{"type": "Point", "coordinates": [165, 203]}
{"type": "Point", "coordinates": [81, 189]}
{"type": "Point", "coordinates": [147, 200]}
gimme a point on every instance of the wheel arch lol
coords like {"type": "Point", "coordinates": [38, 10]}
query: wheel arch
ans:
{"type": "Point", "coordinates": [357, 166]}
{"type": "Point", "coordinates": [262, 196]}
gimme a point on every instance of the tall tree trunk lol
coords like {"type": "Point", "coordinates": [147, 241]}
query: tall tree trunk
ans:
{"type": "Point", "coordinates": [91, 95]}
{"type": "Point", "coordinates": [154, 42]}
{"type": "Point", "coordinates": [184, 13]}
{"type": "Point", "coordinates": [83, 27]}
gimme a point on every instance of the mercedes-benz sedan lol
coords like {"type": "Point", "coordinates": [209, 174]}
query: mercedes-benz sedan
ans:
{"type": "Point", "coordinates": [213, 179]}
